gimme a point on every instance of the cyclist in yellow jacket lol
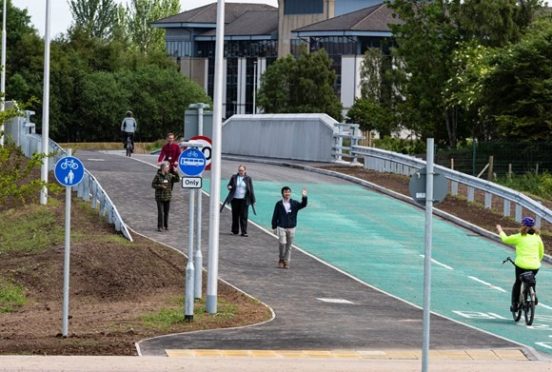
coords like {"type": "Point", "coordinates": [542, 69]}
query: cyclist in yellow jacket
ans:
{"type": "Point", "coordinates": [529, 252]}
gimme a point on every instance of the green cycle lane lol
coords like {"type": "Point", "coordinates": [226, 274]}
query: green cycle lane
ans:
{"type": "Point", "coordinates": [380, 241]}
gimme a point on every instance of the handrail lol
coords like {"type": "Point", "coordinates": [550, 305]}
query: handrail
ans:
{"type": "Point", "coordinates": [387, 161]}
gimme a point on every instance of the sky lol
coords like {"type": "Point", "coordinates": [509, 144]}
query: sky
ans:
{"type": "Point", "coordinates": [61, 15]}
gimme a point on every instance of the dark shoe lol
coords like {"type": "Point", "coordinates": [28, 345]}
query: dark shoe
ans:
{"type": "Point", "coordinates": [281, 264]}
{"type": "Point", "coordinates": [159, 229]}
{"type": "Point", "coordinates": [245, 235]}
{"type": "Point", "coordinates": [166, 227]}
{"type": "Point", "coordinates": [234, 233]}
{"type": "Point", "coordinates": [536, 300]}
{"type": "Point", "coordinates": [286, 265]}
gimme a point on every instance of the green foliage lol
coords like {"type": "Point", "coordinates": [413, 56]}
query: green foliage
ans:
{"type": "Point", "coordinates": [401, 145]}
{"type": "Point", "coordinates": [16, 182]}
{"type": "Point", "coordinates": [30, 228]}
{"type": "Point", "coordinates": [440, 42]}
{"type": "Point", "coordinates": [12, 296]}
{"type": "Point", "coordinates": [302, 85]}
{"type": "Point", "coordinates": [535, 184]}
{"type": "Point", "coordinates": [95, 17]}
{"type": "Point", "coordinates": [517, 95]}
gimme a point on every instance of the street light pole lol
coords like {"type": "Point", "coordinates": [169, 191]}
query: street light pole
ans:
{"type": "Point", "coordinates": [214, 214]}
{"type": "Point", "coordinates": [45, 108]}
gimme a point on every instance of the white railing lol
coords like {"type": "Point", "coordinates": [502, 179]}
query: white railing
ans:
{"type": "Point", "coordinates": [387, 161]}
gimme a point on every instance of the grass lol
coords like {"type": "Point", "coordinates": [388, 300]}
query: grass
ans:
{"type": "Point", "coordinates": [12, 296]}
{"type": "Point", "coordinates": [30, 228]}
{"type": "Point", "coordinates": [139, 147]}
{"type": "Point", "coordinates": [167, 318]}
{"type": "Point", "coordinates": [539, 185]}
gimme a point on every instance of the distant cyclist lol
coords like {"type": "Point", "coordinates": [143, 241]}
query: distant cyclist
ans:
{"type": "Point", "coordinates": [529, 253]}
{"type": "Point", "coordinates": [128, 128]}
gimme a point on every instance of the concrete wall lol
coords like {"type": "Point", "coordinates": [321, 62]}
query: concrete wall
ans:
{"type": "Point", "coordinates": [306, 137]}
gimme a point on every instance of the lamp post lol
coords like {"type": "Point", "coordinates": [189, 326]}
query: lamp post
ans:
{"type": "Point", "coordinates": [45, 108]}
{"type": "Point", "coordinates": [214, 214]}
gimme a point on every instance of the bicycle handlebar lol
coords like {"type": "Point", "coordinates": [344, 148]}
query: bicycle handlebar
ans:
{"type": "Point", "coordinates": [508, 259]}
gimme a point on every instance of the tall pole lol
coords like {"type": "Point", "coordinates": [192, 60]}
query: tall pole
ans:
{"type": "Point", "coordinates": [254, 87]}
{"type": "Point", "coordinates": [427, 256]}
{"type": "Point", "coordinates": [45, 108]}
{"type": "Point", "coordinates": [3, 74]}
{"type": "Point", "coordinates": [198, 255]}
{"type": "Point", "coordinates": [214, 221]}
{"type": "Point", "coordinates": [66, 259]}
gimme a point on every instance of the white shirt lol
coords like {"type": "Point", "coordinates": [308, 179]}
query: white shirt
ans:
{"type": "Point", "coordinates": [240, 188]}
{"type": "Point", "coordinates": [287, 205]}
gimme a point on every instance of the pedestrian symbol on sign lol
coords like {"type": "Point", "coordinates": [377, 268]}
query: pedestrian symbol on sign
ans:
{"type": "Point", "coordinates": [69, 171]}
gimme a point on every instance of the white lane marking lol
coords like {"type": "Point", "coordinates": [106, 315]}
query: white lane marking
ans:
{"type": "Point", "coordinates": [93, 159]}
{"type": "Point", "coordinates": [545, 306]}
{"type": "Point", "coordinates": [335, 300]}
{"type": "Point", "coordinates": [487, 284]}
{"type": "Point", "coordinates": [438, 263]}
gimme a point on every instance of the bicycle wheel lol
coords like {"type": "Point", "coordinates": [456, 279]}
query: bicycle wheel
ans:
{"type": "Point", "coordinates": [128, 148]}
{"type": "Point", "coordinates": [517, 314]}
{"type": "Point", "coordinates": [529, 310]}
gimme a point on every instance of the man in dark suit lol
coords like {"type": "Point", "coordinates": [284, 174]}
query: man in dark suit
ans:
{"type": "Point", "coordinates": [240, 196]}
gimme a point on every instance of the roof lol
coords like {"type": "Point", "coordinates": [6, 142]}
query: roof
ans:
{"type": "Point", "coordinates": [374, 19]}
{"type": "Point", "coordinates": [251, 23]}
{"type": "Point", "coordinates": [208, 14]}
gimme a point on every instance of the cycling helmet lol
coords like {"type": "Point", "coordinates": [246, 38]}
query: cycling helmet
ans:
{"type": "Point", "coordinates": [528, 221]}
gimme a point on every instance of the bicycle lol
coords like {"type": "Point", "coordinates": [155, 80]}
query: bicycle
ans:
{"type": "Point", "coordinates": [129, 146]}
{"type": "Point", "coordinates": [527, 296]}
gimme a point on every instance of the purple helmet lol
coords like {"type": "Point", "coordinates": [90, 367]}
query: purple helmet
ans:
{"type": "Point", "coordinates": [528, 221]}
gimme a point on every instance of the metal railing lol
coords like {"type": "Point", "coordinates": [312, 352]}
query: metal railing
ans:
{"type": "Point", "coordinates": [387, 161]}
{"type": "Point", "coordinates": [89, 189]}
{"type": "Point", "coordinates": [350, 132]}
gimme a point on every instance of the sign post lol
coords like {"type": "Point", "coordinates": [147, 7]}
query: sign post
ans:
{"type": "Point", "coordinates": [191, 162]}
{"type": "Point", "coordinates": [198, 255]}
{"type": "Point", "coordinates": [427, 187]}
{"type": "Point", "coordinates": [69, 172]}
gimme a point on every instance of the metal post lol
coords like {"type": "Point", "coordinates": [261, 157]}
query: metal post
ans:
{"type": "Point", "coordinates": [427, 256]}
{"type": "Point", "coordinates": [254, 87]}
{"type": "Point", "coordinates": [189, 297]}
{"type": "Point", "coordinates": [45, 108]}
{"type": "Point", "coordinates": [214, 220]}
{"type": "Point", "coordinates": [3, 73]}
{"type": "Point", "coordinates": [66, 258]}
{"type": "Point", "coordinates": [198, 255]}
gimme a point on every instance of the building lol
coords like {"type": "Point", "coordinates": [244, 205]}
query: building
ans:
{"type": "Point", "coordinates": [257, 34]}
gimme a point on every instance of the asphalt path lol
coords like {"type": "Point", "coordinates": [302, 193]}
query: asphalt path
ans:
{"type": "Point", "coordinates": [316, 306]}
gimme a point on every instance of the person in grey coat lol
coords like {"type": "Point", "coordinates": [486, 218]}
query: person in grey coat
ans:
{"type": "Point", "coordinates": [240, 195]}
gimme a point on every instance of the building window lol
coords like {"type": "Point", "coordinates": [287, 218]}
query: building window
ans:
{"type": "Point", "coordinates": [292, 7]}
{"type": "Point", "coordinates": [179, 48]}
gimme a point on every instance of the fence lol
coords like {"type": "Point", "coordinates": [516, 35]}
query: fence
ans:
{"type": "Point", "coordinates": [22, 132]}
{"type": "Point", "coordinates": [386, 161]}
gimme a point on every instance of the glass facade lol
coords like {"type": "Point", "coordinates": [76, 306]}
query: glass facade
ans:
{"type": "Point", "coordinates": [292, 7]}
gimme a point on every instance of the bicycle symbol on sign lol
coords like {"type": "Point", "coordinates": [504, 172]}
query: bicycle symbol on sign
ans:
{"type": "Point", "coordinates": [69, 163]}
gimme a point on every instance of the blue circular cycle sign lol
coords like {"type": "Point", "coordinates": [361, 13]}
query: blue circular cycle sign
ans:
{"type": "Point", "coordinates": [69, 171]}
{"type": "Point", "coordinates": [191, 162]}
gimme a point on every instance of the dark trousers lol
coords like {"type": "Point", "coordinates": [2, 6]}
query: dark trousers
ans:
{"type": "Point", "coordinates": [517, 285]}
{"type": "Point", "coordinates": [163, 213]}
{"type": "Point", "coordinates": [240, 210]}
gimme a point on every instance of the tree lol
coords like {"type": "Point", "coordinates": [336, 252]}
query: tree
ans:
{"type": "Point", "coordinates": [374, 110]}
{"type": "Point", "coordinates": [517, 93]}
{"type": "Point", "coordinates": [301, 85]}
{"type": "Point", "coordinates": [96, 17]}
{"type": "Point", "coordinates": [144, 12]}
